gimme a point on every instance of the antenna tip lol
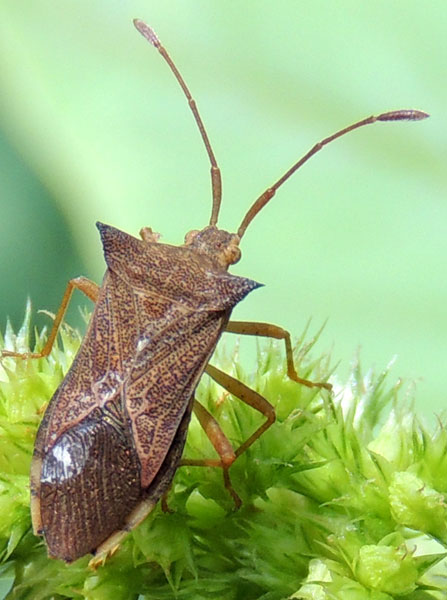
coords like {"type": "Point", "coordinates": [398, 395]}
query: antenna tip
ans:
{"type": "Point", "coordinates": [403, 115]}
{"type": "Point", "coordinates": [147, 32]}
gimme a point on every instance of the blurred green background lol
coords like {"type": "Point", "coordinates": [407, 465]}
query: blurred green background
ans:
{"type": "Point", "coordinates": [94, 127]}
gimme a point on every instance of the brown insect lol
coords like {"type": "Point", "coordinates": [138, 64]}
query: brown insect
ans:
{"type": "Point", "coordinates": [114, 431]}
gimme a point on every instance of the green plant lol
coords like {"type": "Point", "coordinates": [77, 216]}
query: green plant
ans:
{"type": "Point", "coordinates": [344, 497]}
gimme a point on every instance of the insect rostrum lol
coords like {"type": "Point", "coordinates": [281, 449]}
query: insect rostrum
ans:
{"type": "Point", "coordinates": [114, 431]}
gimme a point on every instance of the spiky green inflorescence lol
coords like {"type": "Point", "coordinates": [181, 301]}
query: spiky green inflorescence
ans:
{"type": "Point", "coordinates": [343, 497]}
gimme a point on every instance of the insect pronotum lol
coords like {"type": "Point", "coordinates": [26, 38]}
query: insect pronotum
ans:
{"type": "Point", "coordinates": [114, 431]}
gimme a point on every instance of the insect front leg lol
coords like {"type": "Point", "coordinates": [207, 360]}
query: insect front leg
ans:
{"type": "Point", "coordinates": [218, 438]}
{"type": "Point", "coordinates": [88, 287]}
{"type": "Point", "coordinates": [278, 333]}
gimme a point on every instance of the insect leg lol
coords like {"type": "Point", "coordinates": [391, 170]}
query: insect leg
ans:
{"type": "Point", "coordinates": [113, 542]}
{"type": "Point", "coordinates": [221, 444]}
{"type": "Point", "coordinates": [278, 333]}
{"type": "Point", "coordinates": [88, 287]}
{"type": "Point", "coordinates": [217, 437]}
{"type": "Point", "coordinates": [250, 397]}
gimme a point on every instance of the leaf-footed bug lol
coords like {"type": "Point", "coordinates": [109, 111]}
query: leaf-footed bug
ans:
{"type": "Point", "coordinates": [113, 434]}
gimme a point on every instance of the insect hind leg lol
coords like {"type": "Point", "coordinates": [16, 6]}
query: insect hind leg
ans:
{"type": "Point", "coordinates": [222, 445]}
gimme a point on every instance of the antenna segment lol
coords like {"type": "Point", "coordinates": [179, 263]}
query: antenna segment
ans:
{"type": "Point", "coordinates": [265, 197]}
{"type": "Point", "coordinates": [216, 180]}
{"type": "Point", "coordinates": [394, 115]}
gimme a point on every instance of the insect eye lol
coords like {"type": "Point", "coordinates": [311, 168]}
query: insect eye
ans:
{"type": "Point", "coordinates": [232, 254]}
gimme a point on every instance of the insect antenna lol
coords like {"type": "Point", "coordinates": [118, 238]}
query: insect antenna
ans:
{"type": "Point", "coordinates": [216, 181]}
{"type": "Point", "coordinates": [264, 198]}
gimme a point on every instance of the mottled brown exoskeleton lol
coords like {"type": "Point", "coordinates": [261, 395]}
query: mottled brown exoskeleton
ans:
{"type": "Point", "coordinates": [114, 431]}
